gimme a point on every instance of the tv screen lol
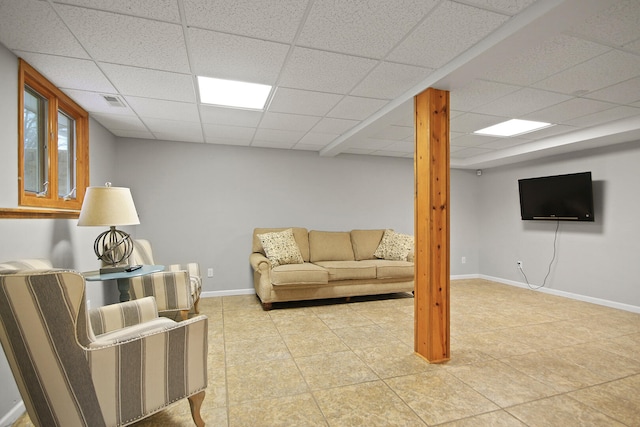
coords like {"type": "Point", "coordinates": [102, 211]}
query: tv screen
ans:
{"type": "Point", "coordinates": [560, 197]}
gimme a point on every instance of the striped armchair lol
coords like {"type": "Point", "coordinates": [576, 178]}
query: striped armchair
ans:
{"type": "Point", "coordinates": [177, 288]}
{"type": "Point", "coordinates": [110, 367]}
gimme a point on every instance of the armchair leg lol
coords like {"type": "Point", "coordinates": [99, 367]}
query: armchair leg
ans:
{"type": "Point", "coordinates": [196, 309]}
{"type": "Point", "coordinates": [195, 402]}
{"type": "Point", "coordinates": [184, 314]}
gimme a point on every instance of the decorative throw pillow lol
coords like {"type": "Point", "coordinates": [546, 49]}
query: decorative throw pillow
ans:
{"type": "Point", "coordinates": [394, 246]}
{"type": "Point", "coordinates": [281, 248]}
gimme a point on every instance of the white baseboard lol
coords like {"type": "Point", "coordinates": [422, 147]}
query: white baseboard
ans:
{"type": "Point", "coordinates": [10, 417]}
{"type": "Point", "coordinates": [599, 301]}
{"type": "Point", "coordinates": [230, 292]}
{"type": "Point", "coordinates": [464, 276]}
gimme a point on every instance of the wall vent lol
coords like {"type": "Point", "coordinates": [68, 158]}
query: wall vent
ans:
{"type": "Point", "coordinates": [114, 101]}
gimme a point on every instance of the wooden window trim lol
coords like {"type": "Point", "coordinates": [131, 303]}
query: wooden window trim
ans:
{"type": "Point", "coordinates": [52, 203]}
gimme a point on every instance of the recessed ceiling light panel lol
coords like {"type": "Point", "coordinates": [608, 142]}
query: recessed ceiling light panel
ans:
{"type": "Point", "coordinates": [231, 93]}
{"type": "Point", "coordinates": [512, 128]}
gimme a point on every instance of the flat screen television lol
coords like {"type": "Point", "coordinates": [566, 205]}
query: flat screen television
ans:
{"type": "Point", "coordinates": [560, 197]}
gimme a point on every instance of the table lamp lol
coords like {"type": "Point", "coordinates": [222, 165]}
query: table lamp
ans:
{"type": "Point", "coordinates": [110, 206]}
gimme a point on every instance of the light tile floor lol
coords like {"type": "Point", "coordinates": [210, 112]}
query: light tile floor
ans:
{"type": "Point", "coordinates": [518, 358]}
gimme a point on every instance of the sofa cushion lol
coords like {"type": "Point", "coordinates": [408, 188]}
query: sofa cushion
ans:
{"type": "Point", "coordinates": [394, 246]}
{"type": "Point", "coordinates": [281, 248]}
{"type": "Point", "coordinates": [302, 274]}
{"type": "Point", "coordinates": [365, 243]}
{"type": "Point", "coordinates": [386, 269]}
{"type": "Point", "coordinates": [348, 270]}
{"type": "Point", "coordinates": [330, 246]}
{"type": "Point", "coordinates": [300, 234]}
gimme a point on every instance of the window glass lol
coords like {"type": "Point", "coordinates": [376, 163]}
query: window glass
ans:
{"type": "Point", "coordinates": [66, 156]}
{"type": "Point", "coordinates": [35, 142]}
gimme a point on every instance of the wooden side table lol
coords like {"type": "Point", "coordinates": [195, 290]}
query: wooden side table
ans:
{"type": "Point", "coordinates": [121, 277]}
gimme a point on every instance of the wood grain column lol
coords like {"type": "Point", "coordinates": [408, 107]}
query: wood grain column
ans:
{"type": "Point", "coordinates": [432, 335]}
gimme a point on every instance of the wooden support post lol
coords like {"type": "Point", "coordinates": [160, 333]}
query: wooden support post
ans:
{"type": "Point", "coordinates": [432, 335]}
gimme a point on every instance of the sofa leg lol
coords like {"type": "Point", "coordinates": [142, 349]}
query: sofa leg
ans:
{"type": "Point", "coordinates": [196, 308]}
{"type": "Point", "coordinates": [195, 403]}
{"type": "Point", "coordinates": [184, 314]}
{"type": "Point", "coordinates": [266, 306]}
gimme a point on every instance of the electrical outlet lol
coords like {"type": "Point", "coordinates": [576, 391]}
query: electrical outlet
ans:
{"type": "Point", "coordinates": [519, 264]}
{"type": "Point", "coordinates": [464, 260]}
{"type": "Point", "coordinates": [210, 272]}
{"type": "Point", "coordinates": [88, 304]}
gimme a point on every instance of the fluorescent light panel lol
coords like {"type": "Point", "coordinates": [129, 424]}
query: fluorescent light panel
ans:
{"type": "Point", "coordinates": [512, 128]}
{"type": "Point", "coordinates": [231, 93]}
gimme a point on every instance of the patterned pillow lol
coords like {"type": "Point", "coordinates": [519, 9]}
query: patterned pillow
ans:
{"type": "Point", "coordinates": [281, 248]}
{"type": "Point", "coordinates": [394, 246]}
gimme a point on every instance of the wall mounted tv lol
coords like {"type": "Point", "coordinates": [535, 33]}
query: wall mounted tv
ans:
{"type": "Point", "coordinates": [559, 197]}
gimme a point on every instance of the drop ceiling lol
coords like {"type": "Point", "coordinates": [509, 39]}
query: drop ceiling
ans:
{"type": "Point", "coordinates": [345, 72]}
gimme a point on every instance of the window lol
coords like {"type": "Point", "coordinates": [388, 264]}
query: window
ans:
{"type": "Point", "coordinates": [53, 148]}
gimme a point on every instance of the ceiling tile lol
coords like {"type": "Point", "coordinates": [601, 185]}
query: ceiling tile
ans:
{"type": "Point", "coordinates": [472, 140]}
{"type": "Point", "coordinates": [633, 47]}
{"type": "Point", "coordinates": [541, 61]}
{"type": "Point", "coordinates": [626, 92]}
{"type": "Point", "coordinates": [269, 20]}
{"type": "Point", "coordinates": [612, 114]}
{"type": "Point", "coordinates": [367, 28]}
{"type": "Point", "coordinates": [522, 102]}
{"type": "Point", "coordinates": [389, 80]}
{"type": "Point", "coordinates": [46, 32]}
{"type": "Point", "coordinates": [605, 70]}
{"type": "Point", "coordinates": [86, 75]}
{"type": "Point", "coordinates": [392, 132]}
{"type": "Point", "coordinates": [317, 139]}
{"type": "Point", "coordinates": [228, 141]}
{"type": "Point", "coordinates": [236, 58]}
{"type": "Point", "coordinates": [93, 102]}
{"type": "Point", "coordinates": [284, 121]}
{"type": "Point", "coordinates": [451, 29]}
{"type": "Point", "coordinates": [108, 37]}
{"type": "Point", "coordinates": [336, 126]}
{"type": "Point", "coordinates": [324, 71]}
{"type": "Point", "coordinates": [273, 144]}
{"type": "Point", "coordinates": [162, 10]}
{"type": "Point", "coordinates": [550, 131]}
{"type": "Point", "coordinates": [470, 152]}
{"type": "Point", "coordinates": [502, 143]}
{"type": "Point", "coordinates": [471, 122]}
{"type": "Point", "coordinates": [160, 109]}
{"type": "Point", "coordinates": [478, 93]}
{"type": "Point", "coordinates": [133, 134]}
{"type": "Point", "coordinates": [356, 108]}
{"type": "Point", "coordinates": [274, 135]}
{"type": "Point", "coordinates": [568, 110]}
{"type": "Point", "coordinates": [151, 83]}
{"type": "Point", "coordinates": [615, 26]}
{"type": "Point", "coordinates": [229, 116]}
{"type": "Point", "coordinates": [401, 147]}
{"type": "Point", "coordinates": [120, 122]}
{"type": "Point", "coordinates": [172, 130]}
{"type": "Point", "coordinates": [510, 7]}
{"type": "Point", "coordinates": [287, 100]}
{"type": "Point", "coordinates": [231, 132]}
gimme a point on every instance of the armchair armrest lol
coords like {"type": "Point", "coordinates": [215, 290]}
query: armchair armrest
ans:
{"type": "Point", "coordinates": [117, 316]}
{"type": "Point", "coordinates": [171, 289]}
{"type": "Point", "coordinates": [162, 366]}
{"type": "Point", "coordinates": [259, 261]}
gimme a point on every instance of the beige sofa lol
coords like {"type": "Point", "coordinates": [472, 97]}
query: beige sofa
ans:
{"type": "Point", "coordinates": [333, 264]}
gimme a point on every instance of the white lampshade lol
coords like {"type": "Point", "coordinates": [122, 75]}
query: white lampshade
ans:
{"type": "Point", "coordinates": [108, 206]}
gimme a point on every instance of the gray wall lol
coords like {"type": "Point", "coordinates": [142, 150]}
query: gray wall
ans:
{"type": "Point", "coordinates": [59, 240]}
{"type": "Point", "coordinates": [594, 259]}
{"type": "Point", "coordinates": [201, 202]}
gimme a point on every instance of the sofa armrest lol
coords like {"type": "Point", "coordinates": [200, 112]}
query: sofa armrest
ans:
{"type": "Point", "coordinates": [117, 316]}
{"type": "Point", "coordinates": [171, 289]}
{"type": "Point", "coordinates": [259, 262]}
